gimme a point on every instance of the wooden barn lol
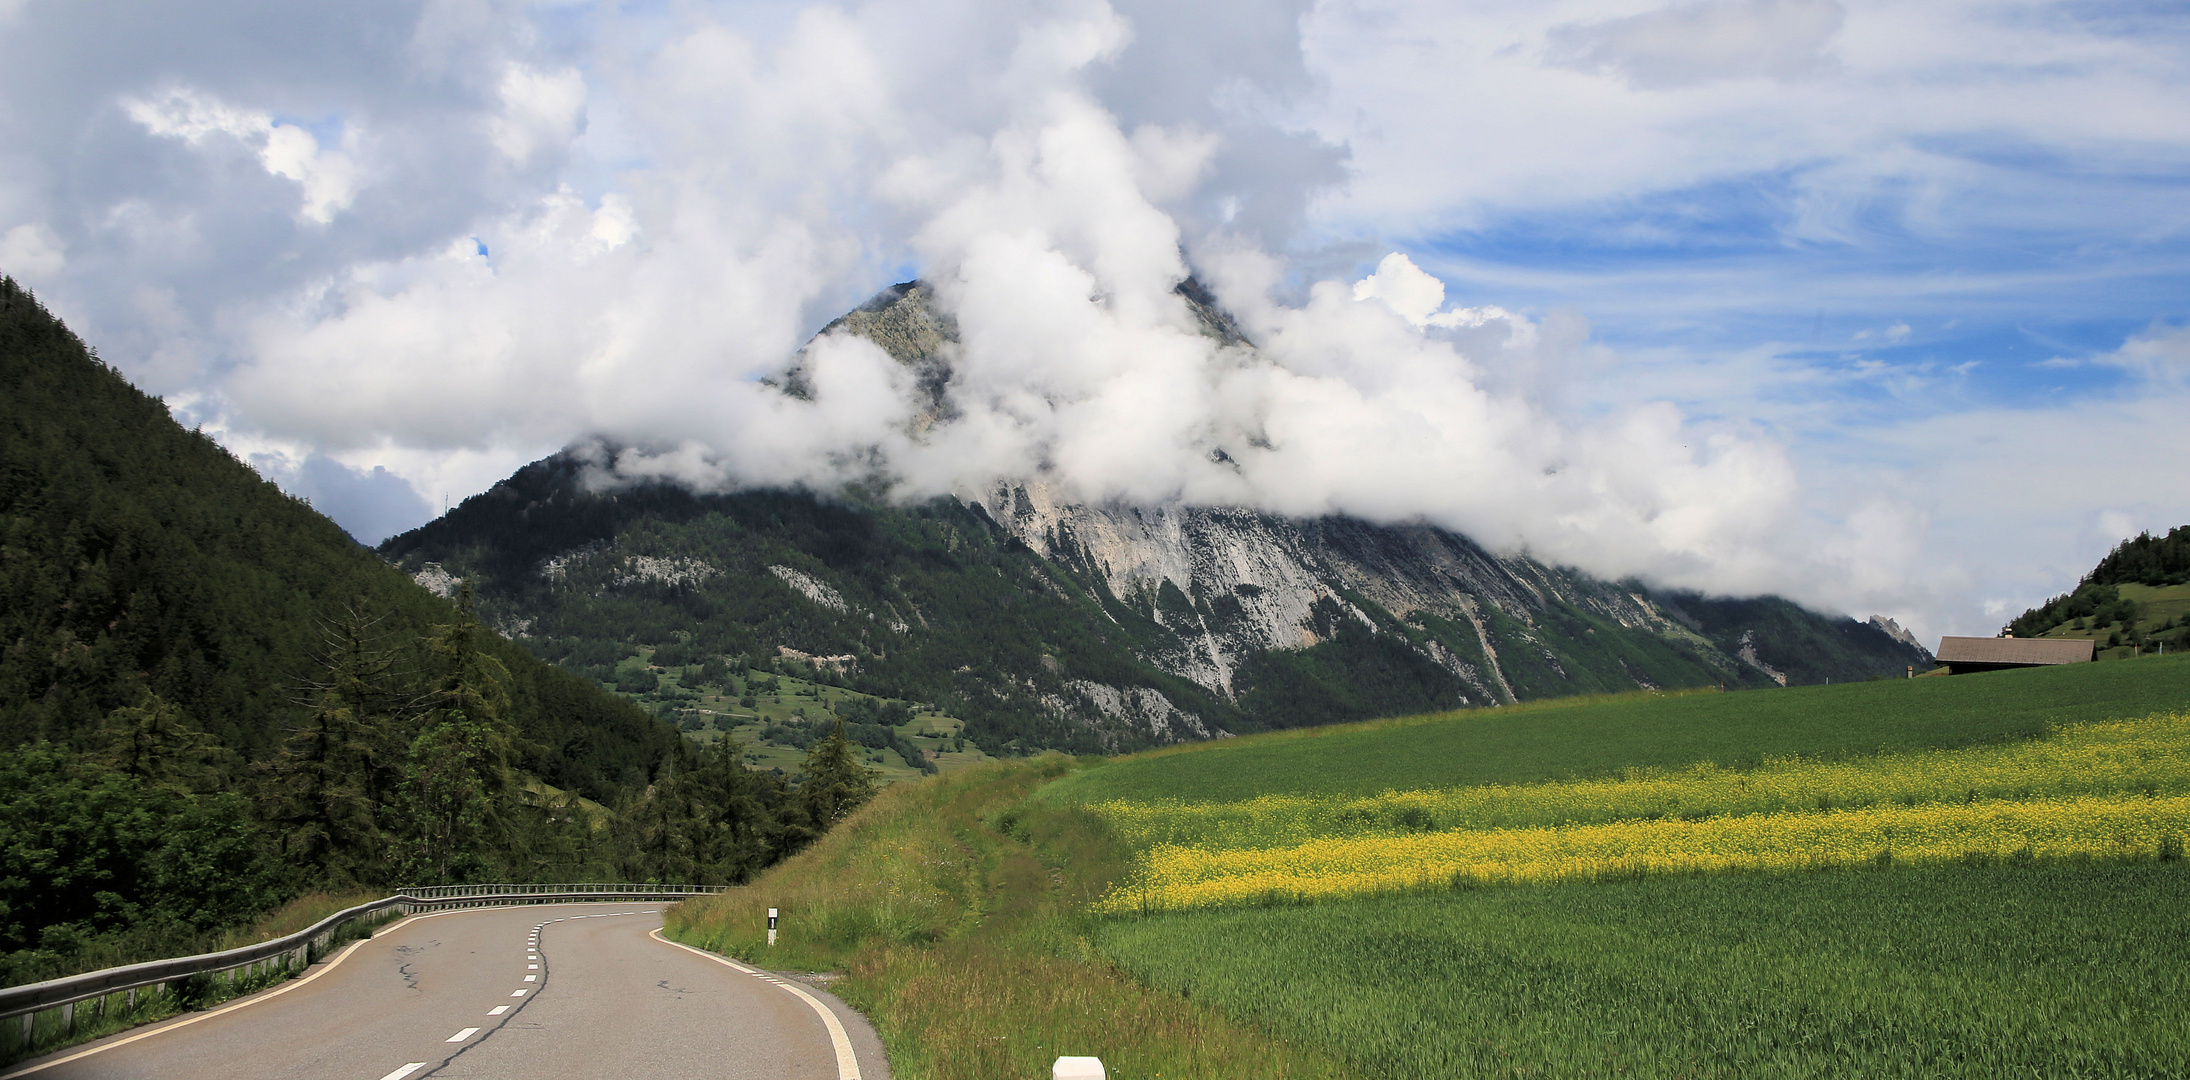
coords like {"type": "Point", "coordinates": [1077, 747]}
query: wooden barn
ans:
{"type": "Point", "coordinates": [1963, 655]}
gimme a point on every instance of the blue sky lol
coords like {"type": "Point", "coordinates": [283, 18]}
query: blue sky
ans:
{"type": "Point", "coordinates": [1880, 305]}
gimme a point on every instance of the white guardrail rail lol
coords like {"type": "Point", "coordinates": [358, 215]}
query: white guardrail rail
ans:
{"type": "Point", "coordinates": [295, 952]}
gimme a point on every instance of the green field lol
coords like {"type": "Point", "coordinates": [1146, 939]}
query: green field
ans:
{"type": "Point", "coordinates": [1976, 971]}
{"type": "Point", "coordinates": [2003, 964]}
{"type": "Point", "coordinates": [963, 909]}
{"type": "Point", "coordinates": [1577, 739]}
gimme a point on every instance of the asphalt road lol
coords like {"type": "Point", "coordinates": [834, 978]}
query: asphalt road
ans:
{"type": "Point", "coordinates": [466, 994]}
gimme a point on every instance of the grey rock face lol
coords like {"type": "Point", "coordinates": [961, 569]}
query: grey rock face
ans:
{"type": "Point", "coordinates": [1265, 580]}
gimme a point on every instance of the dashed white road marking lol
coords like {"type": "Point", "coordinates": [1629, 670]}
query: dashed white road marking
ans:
{"type": "Point", "coordinates": [532, 978]}
{"type": "Point", "coordinates": [462, 1035]}
{"type": "Point", "coordinates": [532, 967]}
{"type": "Point", "coordinates": [498, 1010]}
{"type": "Point", "coordinates": [406, 1070]}
{"type": "Point", "coordinates": [519, 992]}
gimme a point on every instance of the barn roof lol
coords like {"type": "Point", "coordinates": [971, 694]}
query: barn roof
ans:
{"type": "Point", "coordinates": [2010, 650]}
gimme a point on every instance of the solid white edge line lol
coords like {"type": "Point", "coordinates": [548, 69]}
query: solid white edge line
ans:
{"type": "Point", "coordinates": [265, 995]}
{"type": "Point", "coordinates": [406, 1070]}
{"type": "Point", "coordinates": [847, 1063]}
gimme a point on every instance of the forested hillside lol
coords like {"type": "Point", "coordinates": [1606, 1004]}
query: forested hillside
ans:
{"type": "Point", "coordinates": [2138, 596]}
{"type": "Point", "coordinates": [142, 559]}
{"type": "Point", "coordinates": [211, 699]}
{"type": "Point", "coordinates": [686, 600]}
{"type": "Point", "coordinates": [590, 578]}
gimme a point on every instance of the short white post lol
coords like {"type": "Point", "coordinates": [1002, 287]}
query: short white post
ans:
{"type": "Point", "coordinates": [771, 927]}
{"type": "Point", "coordinates": [1077, 1068]}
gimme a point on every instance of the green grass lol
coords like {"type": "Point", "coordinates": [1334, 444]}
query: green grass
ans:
{"type": "Point", "coordinates": [2159, 603]}
{"type": "Point", "coordinates": [1596, 737]}
{"type": "Point", "coordinates": [956, 907]}
{"type": "Point", "coordinates": [1965, 971]}
{"type": "Point", "coordinates": [952, 910]}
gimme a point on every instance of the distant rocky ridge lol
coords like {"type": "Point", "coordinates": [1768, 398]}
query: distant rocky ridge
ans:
{"type": "Point", "coordinates": [1109, 625]}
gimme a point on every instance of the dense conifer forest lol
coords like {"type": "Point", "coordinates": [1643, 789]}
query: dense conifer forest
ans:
{"type": "Point", "coordinates": [213, 699]}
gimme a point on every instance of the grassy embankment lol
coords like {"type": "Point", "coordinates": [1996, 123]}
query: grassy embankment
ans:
{"type": "Point", "coordinates": [957, 915]}
{"type": "Point", "coordinates": [99, 1018]}
{"type": "Point", "coordinates": [2006, 961]}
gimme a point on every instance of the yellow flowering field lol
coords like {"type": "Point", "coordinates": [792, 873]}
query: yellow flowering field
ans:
{"type": "Point", "coordinates": [2117, 789]}
{"type": "Point", "coordinates": [2148, 756]}
{"type": "Point", "coordinates": [2120, 826]}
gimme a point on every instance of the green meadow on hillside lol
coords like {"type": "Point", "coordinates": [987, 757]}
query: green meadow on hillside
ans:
{"type": "Point", "coordinates": [966, 910]}
{"type": "Point", "coordinates": [1594, 737]}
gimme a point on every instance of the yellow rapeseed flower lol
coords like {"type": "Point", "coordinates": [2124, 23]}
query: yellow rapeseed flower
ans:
{"type": "Point", "coordinates": [2113, 790]}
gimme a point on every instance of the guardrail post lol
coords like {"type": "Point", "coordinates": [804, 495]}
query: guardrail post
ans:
{"type": "Point", "coordinates": [68, 1018]}
{"type": "Point", "coordinates": [30, 1021]}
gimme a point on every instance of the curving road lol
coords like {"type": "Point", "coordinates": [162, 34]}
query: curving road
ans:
{"type": "Point", "coordinates": [537, 993]}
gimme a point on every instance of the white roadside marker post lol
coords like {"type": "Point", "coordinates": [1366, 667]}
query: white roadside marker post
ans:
{"type": "Point", "coordinates": [1077, 1068]}
{"type": "Point", "coordinates": [771, 927]}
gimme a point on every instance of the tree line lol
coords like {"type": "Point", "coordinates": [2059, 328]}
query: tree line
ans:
{"type": "Point", "coordinates": [396, 769]}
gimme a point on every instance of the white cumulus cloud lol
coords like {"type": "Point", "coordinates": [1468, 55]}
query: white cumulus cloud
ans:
{"type": "Point", "coordinates": [328, 178]}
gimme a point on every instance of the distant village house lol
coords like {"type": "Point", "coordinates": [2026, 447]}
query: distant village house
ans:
{"type": "Point", "coordinates": [1962, 655]}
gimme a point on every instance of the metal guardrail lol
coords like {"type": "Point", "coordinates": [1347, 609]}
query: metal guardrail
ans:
{"type": "Point", "coordinates": [296, 951]}
{"type": "Point", "coordinates": [620, 890]}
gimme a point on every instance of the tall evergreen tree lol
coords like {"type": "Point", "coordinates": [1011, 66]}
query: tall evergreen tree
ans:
{"type": "Point", "coordinates": [153, 742]}
{"type": "Point", "coordinates": [337, 768]}
{"type": "Point", "coordinates": [458, 776]}
{"type": "Point", "coordinates": [834, 783]}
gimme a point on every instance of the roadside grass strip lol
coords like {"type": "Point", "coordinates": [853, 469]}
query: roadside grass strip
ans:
{"type": "Point", "coordinates": [2109, 790]}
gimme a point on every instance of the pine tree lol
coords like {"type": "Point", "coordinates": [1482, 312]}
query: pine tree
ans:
{"type": "Point", "coordinates": [835, 783]}
{"type": "Point", "coordinates": [154, 742]}
{"type": "Point", "coordinates": [458, 778]}
{"type": "Point", "coordinates": [337, 767]}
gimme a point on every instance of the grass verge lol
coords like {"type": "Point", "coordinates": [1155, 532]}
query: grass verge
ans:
{"type": "Point", "coordinates": [955, 911]}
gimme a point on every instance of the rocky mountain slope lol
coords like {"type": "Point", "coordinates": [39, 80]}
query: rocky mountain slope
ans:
{"type": "Point", "coordinates": [1044, 622]}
